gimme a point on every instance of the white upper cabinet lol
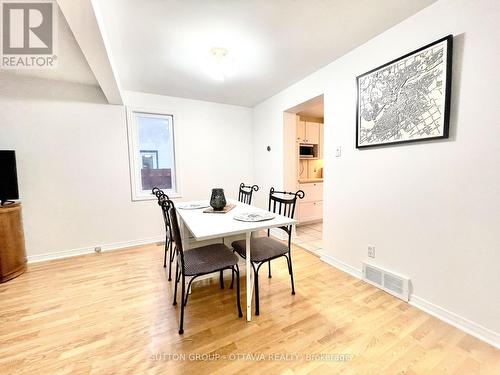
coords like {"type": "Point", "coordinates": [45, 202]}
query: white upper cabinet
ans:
{"type": "Point", "coordinates": [301, 131]}
{"type": "Point", "coordinates": [308, 132]}
{"type": "Point", "coordinates": [312, 132]}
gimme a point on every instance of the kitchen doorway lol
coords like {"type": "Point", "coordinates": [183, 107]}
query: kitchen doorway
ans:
{"type": "Point", "coordinates": [303, 169]}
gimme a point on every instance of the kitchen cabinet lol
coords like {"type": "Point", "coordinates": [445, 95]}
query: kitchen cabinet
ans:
{"type": "Point", "coordinates": [308, 132]}
{"type": "Point", "coordinates": [312, 132]}
{"type": "Point", "coordinates": [310, 211]}
{"type": "Point", "coordinates": [321, 141]}
{"type": "Point", "coordinates": [311, 207]}
{"type": "Point", "coordinates": [301, 131]}
{"type": "Point", "coordinates": [313, 191]}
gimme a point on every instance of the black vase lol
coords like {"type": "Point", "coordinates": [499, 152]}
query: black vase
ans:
{"type": "Point", "coordinates": [218, 200]}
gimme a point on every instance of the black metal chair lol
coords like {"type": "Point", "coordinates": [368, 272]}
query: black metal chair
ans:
{"type": "Point", "coordinates": [265, 249]}
{"type": "Point", "coordinates": [162, 197]}
{"type": "Point", "coordinates": [199, 261]}
{"type": "Point", "coordinates": [245, 193]}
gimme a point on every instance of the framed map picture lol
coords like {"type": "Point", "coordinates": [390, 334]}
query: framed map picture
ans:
{"type": "Point", "coordinates": [407, 99]}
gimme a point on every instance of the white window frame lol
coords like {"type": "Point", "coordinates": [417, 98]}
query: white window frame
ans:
{"type": "Point", "coordinates": [132, 132]}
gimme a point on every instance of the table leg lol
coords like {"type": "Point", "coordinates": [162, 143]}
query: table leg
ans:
{"type": "Point", "coordinates": [184, 233]}
{"type": "Point", "coordinates": [249, 275]}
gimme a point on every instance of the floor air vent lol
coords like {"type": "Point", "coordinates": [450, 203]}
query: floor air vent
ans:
{"type": "Point", "coordinates": [396, 285]}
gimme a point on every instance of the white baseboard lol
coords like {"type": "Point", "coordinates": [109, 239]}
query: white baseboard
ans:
{"type": "Point", "coordinates": [474, 329]}
{"type": "Point", "coordinates": [340, 265]}
{"type": "Point", "coordinates": [90, 249]}
{"type": "Point", "coordinates": [457, 321]}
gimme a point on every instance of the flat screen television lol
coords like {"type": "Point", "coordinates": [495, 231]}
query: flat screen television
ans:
{"type": "Point", "coordinates": [8, 176]}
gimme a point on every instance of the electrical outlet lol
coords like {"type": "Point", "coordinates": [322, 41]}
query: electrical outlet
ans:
{"type": "Point", "coordinates": [371, 251]}
{"type": "Point", "coordinates": [97, 249]}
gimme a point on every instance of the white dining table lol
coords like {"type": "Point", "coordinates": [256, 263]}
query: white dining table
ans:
{"type": "Point", "coordinates": [206, 226]}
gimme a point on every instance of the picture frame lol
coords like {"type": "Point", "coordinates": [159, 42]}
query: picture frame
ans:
{"type": "Point", "coordinates": [407, 99]}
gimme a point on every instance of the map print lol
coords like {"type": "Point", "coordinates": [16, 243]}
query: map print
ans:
{"type": "Point", "coordinates": [404, 100]}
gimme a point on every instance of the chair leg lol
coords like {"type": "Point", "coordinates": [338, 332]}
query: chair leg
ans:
{"type": "Point", "coordinates": [187, 290]}
{"type": "Point", "coordinates": [240, 314]}
{"type": "Point", "coordinates": [221, 279]}
{"type": "Point", "coordinates": [181, 328]}
{"type": "Point", "coordinates": [290, 270]}
{"type": "Point", "coordinates": [232, 277]}
{"type": "Point", "coordinates": [269, 267]}
{"type": "Point", "coordinates": [176, 282]}
{"type": "Point", "coordinates": [165, 255]}
{"type": "Point", "coordinates": [256, 287]}
{"type": "Point", "coordinates": [171, 259]}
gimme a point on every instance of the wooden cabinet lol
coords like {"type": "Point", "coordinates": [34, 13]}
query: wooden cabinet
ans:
{"type": "Point", "coordinates": [313, 191]}
{"type": "Point", "coordinates": [321, 141]}
{"type": "Point", "coordinates": [310, 169]}
{"type": "Point", "coordinates": [311, 207]}
{"type": "Point", "coordinates": [301, 131]}
{"type": "Point", "coordinates": [306, 212]}
{"type": "Point", "coordinates": [12, 251]}
{"type": "Point", "coordinates": [310, 211]}
{"type": "Point", "coordinates": [312, 132]}
{"type": "Point", "coordinates": [308, 132]}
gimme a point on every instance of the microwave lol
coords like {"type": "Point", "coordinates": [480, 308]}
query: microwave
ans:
{"type": "Point", "coordinates": [308, 151]}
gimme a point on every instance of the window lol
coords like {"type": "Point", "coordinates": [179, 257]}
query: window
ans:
{"type": "Point", "coordinates": [152, 154]}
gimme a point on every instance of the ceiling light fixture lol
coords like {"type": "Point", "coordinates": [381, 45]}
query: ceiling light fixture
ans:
{"type": "Point", "coordinates": [221, 65]}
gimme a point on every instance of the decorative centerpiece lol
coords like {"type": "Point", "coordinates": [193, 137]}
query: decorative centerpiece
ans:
{"type": "Point", "coordinates": [218, 200]}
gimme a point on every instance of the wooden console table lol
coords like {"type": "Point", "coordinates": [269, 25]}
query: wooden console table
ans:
{"type": "Point", "coordinates": [12, 251]}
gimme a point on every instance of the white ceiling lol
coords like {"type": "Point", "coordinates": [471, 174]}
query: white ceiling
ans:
{"type": "Point", "coordinates": [317, 110]}
{"type": "Point", "coordinates": [312, 108]}
{"type": "Point", "coordinates": [159, 46]}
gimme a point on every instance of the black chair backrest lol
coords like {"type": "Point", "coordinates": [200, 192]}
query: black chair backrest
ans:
{"type": "Point", "coordinates": [164, 204]}
{"type": "Point", "coordinates": [245, 193]}
{"type": "Point", "coordinates": [162, 197]}
{"type": "Point", "coordinates": [283, 203]}
{"type": "Point", "coordinates": [156, 191]}
{"type": "Point", "coordinates": [176, 233]}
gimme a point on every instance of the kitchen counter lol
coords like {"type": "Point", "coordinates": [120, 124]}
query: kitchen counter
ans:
{"type": "Point", "coordinates": [310, 180]}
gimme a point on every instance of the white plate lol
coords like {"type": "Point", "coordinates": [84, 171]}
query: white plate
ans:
{"type": "Point", "coordinates": [193, 206]}
{"type": "Point", "coordinates": [254, 216]}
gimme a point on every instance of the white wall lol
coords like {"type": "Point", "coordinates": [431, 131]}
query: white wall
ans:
{"type": "Point", "coordinates": [73, 162]}
{"type": "Point", "coordinates": [214, 142]}
{"type": "Point", "coordinates": [431, 209]}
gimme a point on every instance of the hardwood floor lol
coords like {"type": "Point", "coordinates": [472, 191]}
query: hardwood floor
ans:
{"type": "Point", "coordinates": [112, 313]}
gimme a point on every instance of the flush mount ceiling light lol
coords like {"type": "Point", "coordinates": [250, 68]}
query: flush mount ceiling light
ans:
{"type": "Point", "coordinates": [217, 54]}
{"type": "Point", "coordinates": [221, 64]}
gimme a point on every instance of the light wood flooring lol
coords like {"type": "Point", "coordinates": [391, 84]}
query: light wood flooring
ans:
{"type": "Point", "coordinates": [112, 313]}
